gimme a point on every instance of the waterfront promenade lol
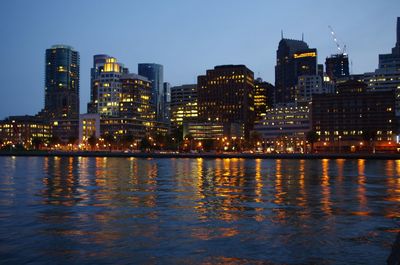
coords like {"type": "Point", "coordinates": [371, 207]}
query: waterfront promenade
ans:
{"type": "Point", "coordinates": [210, 155]}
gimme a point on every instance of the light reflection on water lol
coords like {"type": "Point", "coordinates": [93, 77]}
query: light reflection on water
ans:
{"type": "Point", "coordinates": [127, 210]}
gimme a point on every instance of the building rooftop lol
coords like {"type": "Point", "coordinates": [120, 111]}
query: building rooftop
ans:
{"type": "Point", "coordinates": [134, 76]}
{"type": "Point", "coordinates": [293, 45]}
{"type": "Point", "coordinates": [62, 46]}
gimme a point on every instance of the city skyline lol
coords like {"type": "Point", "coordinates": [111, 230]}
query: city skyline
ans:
{"type": "Point", "coordinates": [216, 38]}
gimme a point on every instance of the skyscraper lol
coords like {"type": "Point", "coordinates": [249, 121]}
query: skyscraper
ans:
{"type": "Point", "coordinates": [263, 97]}
{"type": "Point", "coordinates": [387, 76]}
{"type": "Point", "coordinates": [61, 83]}
{"type": "Point", "coordinates": [155, 73]}
{"type": "Point", "coordinates": [105, 85]}
{"type": "Point", "coordinates": [183, 104]}
{"type": "Point", "coordinates": [337, 66]}
{"type": "Point", "coordinates": [135, 98]}
{"type": "Point", "coordinates": [167, 102]}
{"type": "Point", "coordinates": [392, 60]}
{"type": "Point", "coordinates": [226, 95]}
{"type": "Point", "coordinates": [98, 65]}
{"type": "Point", "coordinates": [293, 59]}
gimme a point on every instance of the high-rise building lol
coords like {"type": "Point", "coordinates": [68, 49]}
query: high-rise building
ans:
{"type": "Point", "coordinates": [106, 85]}
{"type": "Point", "coordinates": [183, 104]}
{"type": "Point", "coordinates": [337, 66]}
{"type": "Point", "coordinates": [99, 61]}
{"type": "Point", "coordinates": [293, 59]}
{"type": "Point", "coordinates": [392, 60]}
{"type": "Point", "coordinates": [226, 94]}
{"type": "Point", "coordinates": [135, 98]}
{"type": "Point", "coordinates": [155, 73]}
{"type": "Point", "coordinates": [167, 102]}
{"type": "Point", "coordinates": [387, 76]}
{"type": "Point", "coordinates": [136, 115]}
{"type": "Point", "coordinates": [61, 83]}
{"type": "Point", "coordinates": [263, 97]}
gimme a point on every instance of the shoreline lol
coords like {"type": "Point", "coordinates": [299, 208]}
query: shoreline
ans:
{"type": "Point", "coordinates": [199, 155]}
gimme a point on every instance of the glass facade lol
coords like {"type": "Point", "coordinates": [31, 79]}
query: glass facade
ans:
{"type": "Point", "coordinates": [155, 73]}
{"type": "Point", "coordinates": [62, 82]}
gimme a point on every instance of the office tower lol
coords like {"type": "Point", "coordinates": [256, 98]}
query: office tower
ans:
{"type": "Point", "coordinates": [183, 104]}
{"type": "Point", "coordinates": [392, 60]}
{"type": "Point", "coordinates": [387, 76]}
{"type": "Point", "coordinates": [226, 94]}
{"type": "Point", "coordinates": [106, 85]}
{"type": "Point", "coordinates": [99, 61]}
{"type": "Point", "coordinates": [155, 73]}
{"type": "Point", "coordinates": [167, 102]}
{"type": "Point", "coordinates": [263, 97]}
{"type": "Point", "coordinates": [351, 118]}
{"type": "Point", "coordinates": [337, 66]}
{"type": "Point", "coordinates": [293, 59]}
{"type": "Point", "coordinates": [135, 98]}
{"type": "Point", "coordinates": [61, 83]}
{"type": "Point", "coordinates": [136, 115]}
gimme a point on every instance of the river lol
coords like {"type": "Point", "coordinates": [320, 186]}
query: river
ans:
{"type": "Point", "coordinates": [60, 210]}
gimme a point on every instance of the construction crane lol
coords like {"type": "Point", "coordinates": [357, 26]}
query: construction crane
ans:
{"type": "Point", "coordinates": [340, 49]}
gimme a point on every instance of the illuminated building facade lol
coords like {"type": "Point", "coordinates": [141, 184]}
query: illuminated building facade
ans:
{"type": "Point", "coordinates": [263, 97]}
{"type": "Point", "coordinates": [293, 59]}
{"type": "Point", "coordinates": [135, 98]}
{"type": "Point", "coordinates": [106, 86]}
{"type": "Point", "coordinates": [136, 116]}
{"type": "Point", "coordinates": [285, 128]}
{"type": "Point", "coordinates": [226, 95]}
{"type": "Point", "coordinates": [89, 125]}
{"type": "Point", "coordinates": [352, 117]}
{"type": "Point", "coordinates": [155, 74]}
{"type": "Point", "coordinates": [99, 61]}
{"type": "Point", "coordinates": [204, 131]}
{"type": "Point", "coordinates": [337, 66]}
{"type": "Point", "coordinates": [61, 83]}
{"type": "Point", "coordinates": [308, 85]}
{"type": "Point", "coordinates": [183, 104]}
{"type": "Point", "coordinates": [23, 129]}
{"type": "Point", "coordinates": [120, 127]}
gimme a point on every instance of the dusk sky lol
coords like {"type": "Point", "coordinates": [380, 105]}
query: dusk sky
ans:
{"type": "Point", "coordinates": [187, 37]}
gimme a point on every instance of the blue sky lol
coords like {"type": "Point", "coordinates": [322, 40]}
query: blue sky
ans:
{"type": "Point", "coordinates": [186, 36]}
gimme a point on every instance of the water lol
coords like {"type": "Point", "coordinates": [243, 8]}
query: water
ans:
{"type": "Point", "coordinates": [197, 211]}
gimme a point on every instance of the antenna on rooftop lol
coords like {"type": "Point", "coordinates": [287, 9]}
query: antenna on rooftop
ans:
{"type": "Point", "coordinates": [281, 33]}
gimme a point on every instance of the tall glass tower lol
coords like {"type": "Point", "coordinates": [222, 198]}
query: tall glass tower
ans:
{"type": "Point", "coordinates": [61, 83]}
{"type": "Point", "coordinates": [155, 73]}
